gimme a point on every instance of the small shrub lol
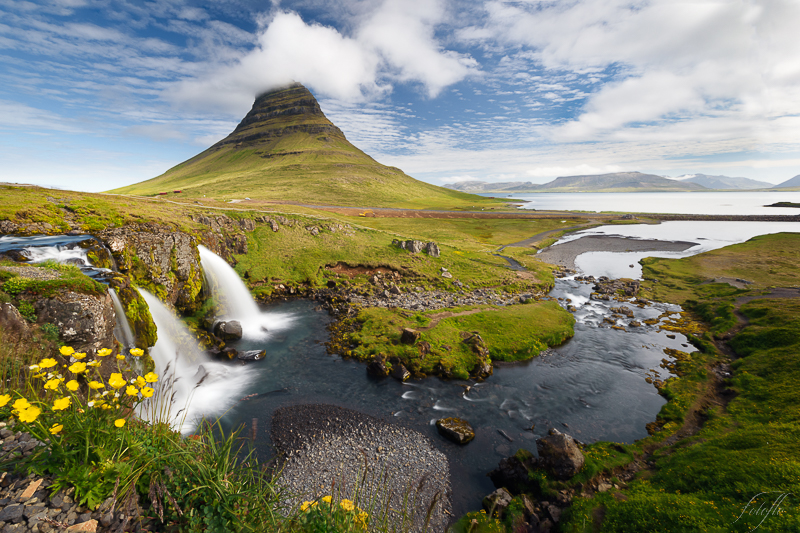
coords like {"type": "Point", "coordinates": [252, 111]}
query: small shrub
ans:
{"type": "Point", "coordinates": [27, 310]}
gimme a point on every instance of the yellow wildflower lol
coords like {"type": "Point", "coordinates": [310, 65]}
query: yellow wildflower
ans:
{"type": "Point", "coordinates": [132, 391]}
{"type": "Point", "coordinates": [79, 355]}
{"type": "Point", "coordinates": [147, 392]}
{"type": "Point", "coordinates": [93, 363]}
{"type": "Point", "coordinates": [4, 399]}
{"type": "Point", "coordinates": [56, 428]}
{"type": "Point", "coordinates": [30, 414]}
{"type": "Point", "coordinates": [102, 352]}
{"type": "Point", "coordinates": [67, 351]}
{"type": "Point", "coordinates": [94, 385]}
{"type": "Point", "coordinates": [140, 382]}
{"type": "Point", "coordinates": [120, 357]}
{"type": "Point", "coordinates": [77, 368]}
{"type": "Point", "coordinates": [106, 406]}
{"type": "Point", "coordinates": [119, 422]}
{"type": "Point", "coordinates": [326, 499]}
{"type": "Point", "coordinates": [52, 384]}
{"type": "Point", "coordinates": [72, 385]}
{"type": "Point", "coordinates": [347, 505]}
{"type": "Point", "coordinates": [34, 367]}
{"type": "Point", "coordinates": [116, 380]}
{"type": "Point", "coordinates": [305, 506]}
{"type": "Point", "coordinates": [137, 352]}
{"type": "Point", "coordinates": [151, 377]}
{"type": "Point", "coordinates": [61, 403]}
{"type": "Point", "coordinates": [21, 404]}
{"type": "Point", "coordinates": [47, 363]}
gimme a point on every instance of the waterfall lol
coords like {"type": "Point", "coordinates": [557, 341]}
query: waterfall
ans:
{"type": "Point", "coordinates": [122, 329]}
{"type": "Point", "coordinates": [191, 386]}
{"type": "Point", "coordinates": [226, 287]}
{"type": "Point", "coordinates": [235, 300]}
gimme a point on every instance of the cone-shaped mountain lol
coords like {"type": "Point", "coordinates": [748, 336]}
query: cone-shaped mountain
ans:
{"type": "Point", "coordinates": [287, 149]}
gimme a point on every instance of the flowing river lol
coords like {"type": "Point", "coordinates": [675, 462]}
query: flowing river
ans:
{"type": "Point", "coordinates": [592, 387]}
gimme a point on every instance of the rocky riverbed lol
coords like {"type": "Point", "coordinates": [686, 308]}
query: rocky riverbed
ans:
{"type": "Point", "coordinates": [331, 450]}
{"type": "Point", "coordinates": [28, 506]}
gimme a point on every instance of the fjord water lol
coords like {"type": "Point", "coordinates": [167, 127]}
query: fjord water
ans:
{"type": "Point", "coordinates": [708, 235]}
{"type": "Point", "coordinates": [698, 203]}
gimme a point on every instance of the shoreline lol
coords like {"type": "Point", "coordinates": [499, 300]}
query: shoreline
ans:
{"type": "Point", "coordinates": [564, 254]}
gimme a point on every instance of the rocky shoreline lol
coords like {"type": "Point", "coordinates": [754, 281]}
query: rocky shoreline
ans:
{"type": "Point", "coordinates": [332, 450]}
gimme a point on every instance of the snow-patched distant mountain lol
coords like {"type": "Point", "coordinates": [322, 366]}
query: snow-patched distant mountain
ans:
{"type": "Point", "coordinates": [724, 182]}
{"type": "Point", "coordinates": [794, 182]}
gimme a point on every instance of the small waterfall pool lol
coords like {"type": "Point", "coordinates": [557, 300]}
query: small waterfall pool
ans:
{"type": "Point", "coordinates": [592, 387]}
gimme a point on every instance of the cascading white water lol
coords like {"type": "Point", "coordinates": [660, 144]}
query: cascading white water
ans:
{"type": "Point", "coordinates": [69, 254]}
{"type": "Point", "coordinates": [235, 300]}
{"type": "Point", "coordinates": [122, 330]}
{"type": "Point", "coordinates": [227, 288]}
{"type": "Point", "coordinates": [191, 386]}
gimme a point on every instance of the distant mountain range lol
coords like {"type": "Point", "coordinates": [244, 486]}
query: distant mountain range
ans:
{"type": "Point", "coordinates": [725, 182]}
{"type": "Point", "coordinates": [622, 182]}
{"type": "Point", "coordinates": [614, 182]}
{"type": "Point", "coordinates": [794, 182]}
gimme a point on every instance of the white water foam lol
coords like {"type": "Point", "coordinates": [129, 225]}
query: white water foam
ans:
{"type": "Point", "coordinates": [191, 386]}
{"type": "Point", "coordinates": [122, 330]}
{"type": "Point", "coordinates": [235, 300]}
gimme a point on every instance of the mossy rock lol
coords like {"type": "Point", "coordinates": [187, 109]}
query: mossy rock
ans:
{"type": "Point", "coordinates": [138, 313]}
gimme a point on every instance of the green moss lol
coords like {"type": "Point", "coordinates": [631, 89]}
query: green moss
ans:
{"type": "Point", "coordinates": [71, 279]}
{"type": "Point", "coordinates": [139, 317]}
{"type": "Point", "coordinates": [511, 333]}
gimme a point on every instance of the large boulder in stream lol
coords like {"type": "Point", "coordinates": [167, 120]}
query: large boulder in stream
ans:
{"type": "Point", "coordinates": [456, 429]}
{"type": "Point", "coordinates": [252, 355]}
{"type": "Point", "coordinates": [228, 331]}
{"type": "Point", "coordinates": [560, 454]}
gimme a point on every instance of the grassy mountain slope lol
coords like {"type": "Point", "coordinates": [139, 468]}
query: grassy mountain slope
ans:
{"type": "Point", "coordinates": [286, 149]}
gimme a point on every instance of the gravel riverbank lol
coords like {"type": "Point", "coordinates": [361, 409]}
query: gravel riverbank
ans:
{"type": "Point", "coordinates": [565, 253]}
{"type": "Point", "coordinates": [328, 449]}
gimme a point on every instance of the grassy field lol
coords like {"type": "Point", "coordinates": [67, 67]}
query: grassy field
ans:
{"type": "Point", "coordinates": [740, 470]}
{"type": "Point", "coordinates": [512, 333]}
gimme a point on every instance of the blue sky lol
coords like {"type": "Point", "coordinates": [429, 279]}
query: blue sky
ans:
{"type": "Point", "coordinates": [96, 94]}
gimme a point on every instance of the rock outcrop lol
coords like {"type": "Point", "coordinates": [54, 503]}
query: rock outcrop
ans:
{"type": "Point", "coordinates": [85, 322]}
{"type": "Point", "coordinates": [559, 454]}
{"type": "Point", "coordinates": [164, 261]}
{"type": "Point", "coordinates": [416, 247]}
{"type": "Point", "coordinates": [456, 429]}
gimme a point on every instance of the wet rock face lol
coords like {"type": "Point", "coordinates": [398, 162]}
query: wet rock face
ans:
{"type": "Point", "coordinates": [228, 331]}
{"type": "Point", "coordinates": [559, 454]}
{"type": "Point", "coordinates": [85, 322]}
{"type": "Point", "coordinates": [167, 260]}
{"type": "Point", "coordinates": [456, 429]}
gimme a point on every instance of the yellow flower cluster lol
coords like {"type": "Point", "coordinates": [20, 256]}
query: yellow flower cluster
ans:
{"type": "Point", "coordinates": [358, 517]}
{"type": "Point", "coordinates": [53, 381]}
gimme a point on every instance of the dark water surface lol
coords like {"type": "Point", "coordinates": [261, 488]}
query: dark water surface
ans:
{"type": "Point", "coordinates": [592, 387]}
